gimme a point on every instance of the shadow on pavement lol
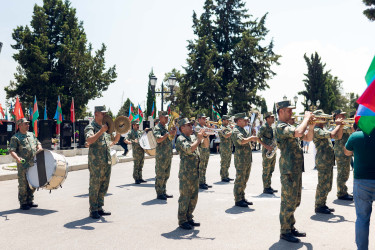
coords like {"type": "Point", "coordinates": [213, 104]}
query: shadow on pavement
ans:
{"type": "Point", "coordinates": [282, 244]}
{"type": "Point", "coordinates": [87, 195]}
{"type": "Point", "coordinates": [238, 210]}
{"type": "Point", "coordinates": [329, 218]}
{"type": "Point", "coordinates": [344, 203]}
{"type": "Point", "coordinates": [150, 179]}
{"type": "Point", "coordinates": [32, 211]}
{"type": "Point", "coordinates": [206, 190]}
{"type": "Point", "coordinates": [222, 183]}
{"type": "Point", "coordinates": [154, 202]}
{"type": "Point", "coordinates": [181, 234]}
{"type": "Point", "coordinates": [263, 195]}
{"type": "Point", "coordinates": [82, 223]}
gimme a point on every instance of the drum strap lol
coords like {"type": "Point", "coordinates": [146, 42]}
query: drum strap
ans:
{"type": "Point", "coordinates": [41, 166]}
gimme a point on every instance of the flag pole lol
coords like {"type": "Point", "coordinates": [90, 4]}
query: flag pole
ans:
{"type": "Point", "coordinates": [74, 126]}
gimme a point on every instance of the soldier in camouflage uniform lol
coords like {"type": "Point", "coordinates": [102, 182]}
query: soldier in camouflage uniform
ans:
{"type": "Point", "coordinates": [343, 161]}
{"type": "Point", "coordinates": [225, 149]}
{"type": "Point", "coordinates": [291, 167]}
{"type": "Point", "coordinates": [324, 161]}
{"type": "Point", "coordinates": [266, 135]}
{"type": "Point", "coordinates": [187, 146]}
{"type": "Point", "coordinates": [23, 147]}
{"type": "Point", "coordinates": [242, 158]}
{"type": "Point", "coordinates": [163, 155]}
{"type": "Point", "coordinates": [204, 154]}
{"type": "Point", "coordinates": [99, 162]}
{"type": "Point", "coordinates": [138, 152]}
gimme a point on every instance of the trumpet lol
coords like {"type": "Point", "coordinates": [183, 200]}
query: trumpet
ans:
{"type": "Point", "coordinates": [318, 118]}
{"type": "Point", "coordinates": [208, 131]}
{"type": "Point", "coordinates": [349, 121]}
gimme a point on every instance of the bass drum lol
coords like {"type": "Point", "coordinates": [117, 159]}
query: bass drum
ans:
{"type": "Point", "coordinates": [148, 143]}
{"type": "Point", "coordinates": [49, 170]}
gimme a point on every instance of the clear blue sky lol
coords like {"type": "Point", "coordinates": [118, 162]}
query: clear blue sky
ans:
{"type": "Point", "coordinates": [141, 35]}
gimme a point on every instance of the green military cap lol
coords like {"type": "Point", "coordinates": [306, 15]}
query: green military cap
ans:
{"type": "Point", "coordinates": [285, 104]}
{"type": "Point", "coordinates": [156, 120]}
{"type": "Point", "coordinates": [225, 117]}
{"type": "Point", "coordinates": [339, 112]}
{"type": "Point", "coordinates": [135, 122]}
{"type": "Point", "coordinates": [22, 120]}
{"type": "Point", "coordinates": [319, 112]}
{"type": "Point", "coordinates": [241, 116]}
{"type": "Point", "coordinates": [163, 113]}
{"type": "Point", "coordinates": [183, 122]}
{"type": "Point", "coordinates": [100, 109]}
{"type": "Point", "coordinates": [201, 116]}
{"type": "Point", "coordinates": [268, 114]}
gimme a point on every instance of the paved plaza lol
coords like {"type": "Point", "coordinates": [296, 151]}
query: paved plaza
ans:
{"type": "Point", "coordinates": [139, 221]}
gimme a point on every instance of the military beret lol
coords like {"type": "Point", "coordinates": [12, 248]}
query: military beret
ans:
{"type": "Point", "coordinates": [156, 120]}
{"type": "Point", "coordinates": [201, 116]}
{"type": "Point", "coordinates": [100, 109]}
{"type": "Point", "coordinates": [183, 122]}
{"type": "Point", "coordinates": [268, 114]}
{"type": "Point", "coordinates": [284, 104]}
{"type": "Point", "coordinates": [339, 112]}
{"type": "Point", "coordinates": [135, 122]}
{"type": "Point", "coordinates": [22, 120]}
{"type": "Point", "coordinates": [241, 116]}
{"type": "Point", "coordinates": [225, 117]}
{"type": "Point", "coordinates": [163, 113]}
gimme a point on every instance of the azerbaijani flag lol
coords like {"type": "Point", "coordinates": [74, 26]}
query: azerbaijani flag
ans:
{"type": "Point", "coordinates": [2, 111]}
{"type": "Point", "coordinates": [140, 114]}
{"type": "Point", "coordinates": [131, 113]}
{"type": "Point", "coordinates": [58, 115]}
{"type": "Point", "coordinates": [30, 113]}
{"type": "Point", "coordinates": [72, 113]}
{"type": "Point", "coordinates": [365, 117]}
{"type": "Point", "coordinates": [18, 113]}
{"type": "Point", "coordinates": [45, 111]}
{"type": "Point", "coordinates": [153, 110]}
{"type": "Point", "coordinates": [216, 114]}
{"type": "Point", "coordinates": [35, 118]}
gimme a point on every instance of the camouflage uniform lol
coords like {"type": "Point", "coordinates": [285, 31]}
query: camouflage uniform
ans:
{"type": "Point", "coordinates": [242, 162]}
{"type": "Point", "coordinates": [324, 161]}
{"type": "Point", "coordinates": [291, 168]}
{"type": "Point", "coordinates": [25, 146]}
{"type": "Point", "coordinates": [225, 151]}
{"type": "Point", "coordinates": [138, 153]}
{"type": "Point", "coordinates": [188, 176]}
{"type": "Point", "coordinates": [163, 159]}
{"type": "Point", "coordinates": [343, 162]}
{"type": "Point", "coordinates": [204, 156]}
{"type": "Point", "coordinates": [266, 134]}
{"type": "Point", "coordinates": [99, 163]}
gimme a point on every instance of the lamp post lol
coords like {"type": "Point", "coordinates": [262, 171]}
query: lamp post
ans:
{"type": "Point", "coordinates": [312, 107]}
{"type": "Point", "coordinates": [295, 100]}
{"type": "Point", "coordinates": [1, 45]}
{"type": "Point", "coordinates": [285, 98]}
{"type": "Point", "coordinates": [171, 84]}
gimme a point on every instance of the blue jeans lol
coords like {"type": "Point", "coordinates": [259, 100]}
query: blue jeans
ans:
{"type": "Point", "coordinates": [364, 194]}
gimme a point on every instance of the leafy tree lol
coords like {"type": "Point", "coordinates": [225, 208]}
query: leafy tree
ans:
{"type": "Point", "coordinates": [150, 97]}
{"type": "Point", "coordinates": [351, 104]}
{"type": "Point", "coordinates": [124, 110]}
{"type": "Point", "coordinates": [55, 59]}
{"type": "Point", "coordinates": [370, 12]}
{"type": "Point", "coordinates": [263, 106]}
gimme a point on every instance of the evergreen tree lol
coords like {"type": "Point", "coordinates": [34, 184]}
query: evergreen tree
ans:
{"type": "Point", "coordinates": [150, 97]}
{"type": "Point", "coordinates": [370, 12]}
{"type": "Point", "coordinates": [263, 106]}
{"type": "Point", "coordinates": [55, 59]}
{"type": "Point", "coordinates": [124, 110]}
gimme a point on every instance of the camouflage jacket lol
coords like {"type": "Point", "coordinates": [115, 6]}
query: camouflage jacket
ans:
{"type": "Point", "coordinates": [165, 147]}
{"type": "Point", "coordinates": [291, 158]}
{"type": "Point", "coordinates": [225, 142]}
{"type": "Point", "coordinates": [266, 134]}
{"type": "Point", "coordinates": [324, 147]}
{"type": "Point", "coordinates": [189, 159]}
{"type": "Point", "coordinates": [99, 151]}
{"type": "Point", "coordinates": [238, 134]}
{"type": "Point", "coordinates": [25, 146]}
{"type": "Point", "coordinates": [132, 136]}
{"type": "Point", "coordinates": [340, 144]}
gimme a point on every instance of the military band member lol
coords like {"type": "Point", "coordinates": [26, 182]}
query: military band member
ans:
{"type": "Point", "coordinates": [23, 147]}
{"type": "Point", "coordinates": [343, 161]}
{"type": "Point", "coordinates": [267, 136]}
{"type": "Point", "coordinates": [99, 162]}
{"type": "Point", "coordinates": [324, 162]}
{"type": "Point", "coordinates": [242, 158]}
{"type": "Point", "coordinates": [204, 154]}
{"type": "Point", "coordinates": [138, 152]}
{"type": "Point", "coordinates": [187, 146]}
{"type": "Point", "coordinates": [163, 156]}
{"type": "Point", "coordinates": [291, 167]}
{"type": "Point", "coordinates": [225, 148]}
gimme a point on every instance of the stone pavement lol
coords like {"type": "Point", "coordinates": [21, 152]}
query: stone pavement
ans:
{"type": "Point", "coordinates": [139, 221]}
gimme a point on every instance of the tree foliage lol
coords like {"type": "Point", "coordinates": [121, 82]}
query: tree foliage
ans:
{"type": "Point", "coordinates": [370, 12]}
{"type": "Point", "coordinates": [124, 110]}
{"type": "Point", "coordinates": [54, 59]}
{"type": "Point", "coordinates": [150, 97]}
{"type": "Point", "coordinates": [227, 62]}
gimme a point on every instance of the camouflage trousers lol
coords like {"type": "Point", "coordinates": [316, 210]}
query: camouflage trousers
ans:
{"type": "Point", "coordinates": [291, 187]}
{"type": "Point", "coordinates": [162, 171]}
{"type": "Point", "coordinates": [225, 158]}
{"type": "Point", "coordinates": [325, 178]}
{"type": "Point", "coordinates": [25, 192]}
{"type": "Point", "coordinates": [343, 172]}
{"type": "Point", "coordinates": [139, 158]}
{"type": "Point", "coordinates": [242, 176]}
{"type": "Point", "coordinates": [99, 182]}
{"type": "Point", "coordinates": [268, 168]}
{"type": "Point", "coordinates": [204, 156]}
{"type": "Point", "coordinates": [189, 187]}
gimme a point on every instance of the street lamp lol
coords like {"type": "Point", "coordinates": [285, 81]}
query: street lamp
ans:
{"type": "Point", "coordinates": [295, 100]}
{"type": "Point", "coordinates": [285, 98]}
{"type": "Point", "coordinates": [1, 45]}
{"type": "Point", "coordinates": [171, 84]}
{"type": "Point", "coordinates": [317, 103]}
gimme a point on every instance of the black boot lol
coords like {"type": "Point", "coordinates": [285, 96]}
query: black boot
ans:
{"type": "Point", "coordinates": [104, 213]}
{"type": "Point", "coordinates": [268, 191]}
{"type": "Point", "coordinates": [193, 223]}
{"type": "Point", "coordinates": [202, 186]}
{"type": "Point", "coordinates": [95, 215]}
{"type": "Point", "coordinates": [241, 204]}
{"type": "Point", "coordinates": [161, 197]}
{"type": "Point", "coordinates": [186, 226]}
{"type": "Point", "coordinates": [322, 210]}
{"type": "Point", "coordinates": [25, 207]}
{"type": "Point", "coordinates": [289, 237]}
{"type": "Point", "coordinates": [32, 204]}
{"type": "Point", "coordinates": [346, 197]}
{"type": "Point", "coordinates": [137, 182]}
{"type": "Point", "coordinates": [297, 233]}
{"type": "Point", "coordinates": [168, 195]}
{"type": "Point", "coordinates": [142, 181]}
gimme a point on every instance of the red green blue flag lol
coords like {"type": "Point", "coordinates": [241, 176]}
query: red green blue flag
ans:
{"type": "Point", "coordinates": [58, 115]}
{"type": "Point", "coordinates": [153, 110]}
{"type": "Point", "coordinates": [35, 117]}
{"type": "Point", "coordinates": [140, 114]}
{"type": "Point", "coordinates": [169, 109]}
{"type": "Point", "coordinates": [132, 116]}
{"type": "Point", "coordinates": [216, 114]}
{"type": "Point", "coordinates": [17, 112]}
{"type": "Point", "coordinates": [45, 111]}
